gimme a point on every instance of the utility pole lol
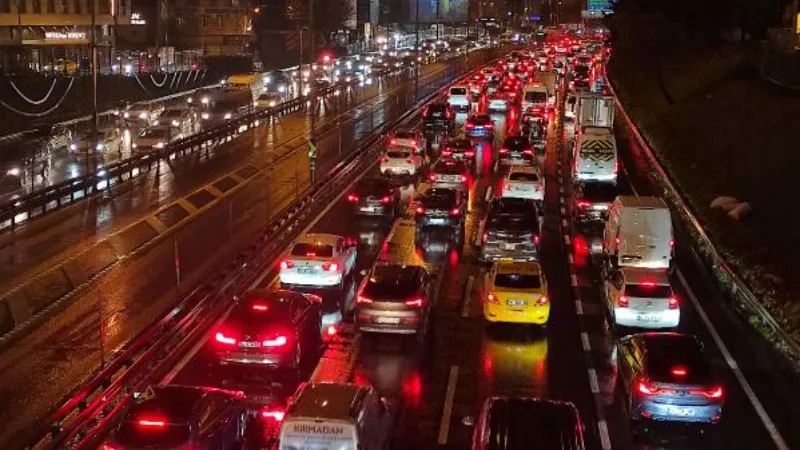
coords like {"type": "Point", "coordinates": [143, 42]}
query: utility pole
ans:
{"type": "Point", "coordinates": [419, 59]}
{"type": "Point", "coordinates": [313, 109]}
{"type": "Point", "coordinates": [300, 70]}
{"type": "Point", "coordinates": [93, 140]}
{"type": "Point", "coordinates": [437, 20]}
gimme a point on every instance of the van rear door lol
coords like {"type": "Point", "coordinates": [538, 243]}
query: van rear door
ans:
{"type": "Point", "coordinates": [302, 434]}
{"type": "Point", "coordinates": [597, 158]}
{"type": "Point", "coordinates": [645, 238]}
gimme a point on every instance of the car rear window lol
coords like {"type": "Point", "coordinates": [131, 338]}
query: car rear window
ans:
{"type": "Point", "coordinates": [517, 281]}
{"type": "Point", "coordinates": [372, 186]}
{"type": "Point", "coordinates": [517, 143]}
{"type": "Point", "coordinates": [307, 249]}
{"type": "Point", "coordinates": [599, 192]}
{"type": "Point", "coordinates": [449, 167]}
{"type": "Point", "coordinates": [439, 198]}
{"type": "Point", "coordinates": [458, 91]}
{"type": "Point", "coordinates": [481, 120]}
{"type": "Point", "coordinates": [667, 352]}
{"type": "Point", "coordinates": [398, 154]}
{"type": "Point", "coordinates": [648, 290]}
{"type": "Point", "coordinates": [535, 97]}
{"type": "Point", "coordinates": [459, 144]}
{"type": "Point", "coordinates": [404, 134]}
{"type": "Point", "coordinates": [132, 434]}
{"type": "Point", "coordinates": [523, 176]}
{"type": "Point", "coordinates": [391, 283]}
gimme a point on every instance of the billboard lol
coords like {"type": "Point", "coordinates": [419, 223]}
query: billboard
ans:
{"type": "Point", "coordinates": [448, 10]}
{"type": "Point", "coordinates": [599, 5]}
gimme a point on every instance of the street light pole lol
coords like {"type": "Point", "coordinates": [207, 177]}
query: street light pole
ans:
{"type": "Point", "coordinates": [419, 59]}
{"type": "Point", "coordinates": [313, 95]}
{"type": "Point", "coordinates": [93, 140]}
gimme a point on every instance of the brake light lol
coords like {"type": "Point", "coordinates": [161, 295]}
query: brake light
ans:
{"type": "Point", "coordinates": [259, 307]}
{"type": "Point", "coordinates": [273, 414]}
{"type": "Point", "coordinates": [385, 159]}
{"type": "Point", "coordinates": [485, 237]}
{"type": "Point", "coordinates": [528, 152]}
{"type": "Point", "coordinates": [463, 178]}
{"type": "Point", "coordinates": [152, 423]}
{"type": "Point", "coordinates": [715, 392]}
{"type": "Point", "coordinates": [415, 302]}
{"type": "Point", "coordinates": [109, 447]}
{"type": "Point", "coordinates": [447, 152]}
{"type": "Point", "coordinates": [646, 388]}
{"type": "Point", "coordinates": [542, 300]}
{"type": "Point", "coordinates": [331, 330]}
{"type": "Point", "coordinates": [413, 143]}
{"type": "Point", "coordinates": [393, 141]}
{"type": "Point", "coordinates": [623, 302]}
{"type": "Point", "coordinates": [330, 267]}
{"type": "Point", "coordinates": [679, 371]}
{"type": "Point", "coordinates": [470, 125]}
{"type": "Point", "coordinates": [616, 166]}
{"type": "Point", "coordinates": [386, 200]}
{"type": "Point", "coordinates": [455, 211]}
{"type": "Point", "coordinates": [536, 239]}
{"type": "Point", "coordinates": [489, 125]}
{"type": "Point", "coordinates": [673, 303]}
{"type": "Point", "coordinates": [584, 203]}
{"type": "Point", "coordinates": [222, 339]}
{"type": "Point", "coordinates": [432, 177]}
{"type": "Point", "coordinates": [410, 160]}
{"type": "Point", "coordinates": [503, 150]}
{"type": "Point", "coordinates": [286, 264]}
{"type": "Point", "coordinates": [352, 198]}
{"type": "Point", "coordinates": [277, 341]}
{"type": "Point", "coordinates": [492, 299]}
{"type": "Point", "coordinates": [672, 243]}
{"type": "Point", "coordinates": [361, 300]}
{"type": "Point", "coordinates": [469, 153]}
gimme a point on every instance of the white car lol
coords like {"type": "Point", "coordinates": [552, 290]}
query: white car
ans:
{"type": "Point", "coordinates": [459, 98]}
{"type": "Point", "coordinates": [497, 102]}
{"type": "Point", "coordinates": [143, 114]}
{"type": "Point", "coordinates": [410, 138]}
{"type": "Point", "coordinates": [642, 298]}
{"type": "Point", "coordinates": [400, 161]}
{"type": "Point", "coordinates": [155, 138]}
{"type": "Point", "coordinates": [108, 139]}
{"type": "Point", "coordinates": [321, 260]}
{"type": "Point", "coordinates": [524, 182]}
{"type": "Point", "coordinates": [184, 119]}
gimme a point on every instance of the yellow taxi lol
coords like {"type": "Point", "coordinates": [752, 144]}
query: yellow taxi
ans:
{"type": "Point", "coordinates": [516, 292]}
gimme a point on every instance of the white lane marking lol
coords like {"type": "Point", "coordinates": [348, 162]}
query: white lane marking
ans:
{"type": "Point", "coordinates": [563, 210]}
{"type": "Point", "coordinates": [561, 189]}
{"type": "Point", "coordinates": [566, 239]}
{"type": "Point", "coordinates": [444, 426]}
{"type": "Point", "coordinates": [564, 223]}
{"type": "Point", "coordinates": [605, 439]}
{"type": "Point", "coordinates": [593, 384]}
{"type": "Point", "coordinates": [579, 307]}
{"type": "Point", "coordinates": [488, 194]}
{"type": "Point", "coordinates": [777, 439]}
{"type": "Point", "coordinates": [570, 259]}
{"type": "Point", "coordinates": [585, 342]}
{"type": "Point", "coordinates": [467, 297]}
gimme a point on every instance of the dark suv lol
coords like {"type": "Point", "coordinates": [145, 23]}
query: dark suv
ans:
{"type": "Point", "coordinates": [441, 207]}
{"type": "Point", "coordinates": [439, 117]}
{"type": "Point", "coordinates": [592, 201]}
{"type": "Point", "coordinates": [511, 231]}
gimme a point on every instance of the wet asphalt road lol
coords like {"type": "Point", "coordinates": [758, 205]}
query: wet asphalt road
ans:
{"type": "Point", "coordinates": [38, 370]}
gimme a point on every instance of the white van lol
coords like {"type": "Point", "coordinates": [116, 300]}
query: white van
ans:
{"type": "Point", "coordinates": [534, 95]}
{"type": "Point", "coordinates": [596, 155]}
{"type": "Point", "coordinates": [253, 82]}
{"type": "Point", "coordinates": [459, 98]}
{"type": "Point", "coordinates": [595, 110]}
{"type": "Point", "coordinates": [339, 416]}
{"type": "Point", "coordinates": [639, 233]}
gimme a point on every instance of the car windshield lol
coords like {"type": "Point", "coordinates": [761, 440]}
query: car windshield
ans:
{"type": "Point", "coordinates": [517, 281]}
{"type": "Point", "coordinates": [391, 283]}
{"type": "Point", "coordinates": [535, 97]}
{"type": "Point", "coordinates": [172, 113]}
{"type": "Point", "coordinates": [311, 249]}
{"type": "Point", "coordinates": [397, 154]}
{"type": "Point", "coordinates": [524, 176]}
{"type": "Point", "coordinates": [404, 134]}
{"type": "Point", "coordinates": [372, 186]}
{"type": "Point", "coordinates": [436, 111]}
{"type": "Point", "coordinates": [458, 91]}
{"type": "Point", "coordinates": [133, 434]}
{"type": "Point", "coordinates": [648, 290]}
{"type": "Point", "coordinates": [449, 167]}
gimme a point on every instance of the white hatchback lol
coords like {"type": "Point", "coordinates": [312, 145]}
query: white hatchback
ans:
{"type": "Point", "coordinates": [524, 182]}
{"type": "Point", "coordinates": [400, 161]}
{"type": "Point", "coordinates": [642, 298]}
{"type": "Point", "coordinates": [459, 98]}
{"type": "Point", "coordinates": [318, 260]}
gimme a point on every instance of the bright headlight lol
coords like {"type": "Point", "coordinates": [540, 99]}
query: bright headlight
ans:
{"type": "Point", "coordinates": [175, 123]}
{"type": "Point", "coordinates": [281, 88]}
{"type": "Point", "coordinates": [204, 100]}
{"type": "Point", "coordinates": [228, 116]}
{"type": "Point", "coordinates": [98, 147]}
{"type": "Point", "coordinates": [13, 172]}
{"type": "Point", "coordinates": [205, 116]}
{"type": "Point", "coordinates": [160, 145]}
{"type": "Point", "coordinates": [126, 115]}
{"type": "Point", "coordinates": [73, 147]}
{"type": "Point", "coordinates": [271, 103]}
{"type": "Point", "coordinates": [143, 115]}
{"type": "Point", "coordinates": [134, 145]}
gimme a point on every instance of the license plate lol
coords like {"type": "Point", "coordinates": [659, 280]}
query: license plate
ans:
{"type": "Point", "coordinates": [393, 320]}
{"type": "Point", "coordinates": [681, 412]}
{"type": "Point", "coordinates": [369, 209]}
{"type": "Point", "coordinates": [517, 303]}
{"type": "Point", "coordinates": [438, 221]}
{"type": "Point", "coordinates": [306, 270]}
{"type": "Point", "coordinates": [519, 188]}
{"type": "Point", "coordinates": [246, 344]}
{"type": "Point", "coordinates": [510, 246]}
{"type": "Point", "coordinates": [648, 318]}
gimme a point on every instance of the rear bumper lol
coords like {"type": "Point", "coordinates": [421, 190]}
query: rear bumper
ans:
{"type": "Point", "coordinates": [479, 133]}
{"type": "Point", "coordinates": [496, 252]}
{"type": "Point", "coordinates": [255, 358]}
{"type": "Point", "coordinates": [608, 178]}
{"type": "Point", "coordinates": [371, 210]}
{"type": "Point", "coordinates": [398, 170]}
{"type": "Point", "coordinates": [324, 279]}
{"type": "Point", "coordinates": [628, 317]}
{"type": "Point", "coordinates": [388, 322]}
{"type": "Point", "coordinates": [501, 314]}
{"type": "Point", "coordinates": [652, 410]}
{"type": "Point", "coordinates": [425, 221]}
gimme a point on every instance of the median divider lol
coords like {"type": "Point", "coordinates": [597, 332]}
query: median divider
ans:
{"type": "Point", "coordinates": [743, 300]}
{"type": "Point", "coordinates": [90, 411]}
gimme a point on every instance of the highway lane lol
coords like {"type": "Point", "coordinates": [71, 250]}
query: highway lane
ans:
{"type": "Point", "coordinates": [754, 375]}
{"type": "Point", "coordinates": [38, 370]}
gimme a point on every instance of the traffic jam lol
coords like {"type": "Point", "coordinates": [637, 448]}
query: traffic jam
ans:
{"type": "Point", "coordinates": [463, 271]}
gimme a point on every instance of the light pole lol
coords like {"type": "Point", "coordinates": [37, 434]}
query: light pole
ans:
{"type": "Point", "coordinates": [313, 95]}
{"type": "Point", "coordinates": [419, 58]}
{"type": "Point", "coordinates": [93, 140]}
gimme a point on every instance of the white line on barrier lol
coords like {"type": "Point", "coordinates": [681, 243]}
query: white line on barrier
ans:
{"type": "Point", "coordinates": [579, 307]}
{"type": "Point", "coordinates": [467, 297]}
{"type": "Point", "coordinates": [593, 384]}
{"type": "Point", "coordinates": [585, 342]}
{"type": "Point", "coordinates": [488, 194]}
{"type": "Point", "coordinates": [777, 439]}
{"type": "Point", "coordinates": [605, 439]}
{"type": "Point", "coordinates": [573, 279]}
{"type": "Point", "coordinates": [447, 412]}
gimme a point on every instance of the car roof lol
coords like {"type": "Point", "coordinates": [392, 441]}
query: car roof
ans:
{"type": "Point", "coordinates": [450, 162]}
{"type": "Point", "coordinates": [318, 238]}
{"type": "Point", "coordinates": [523, 268]}
{"type": "Point", "coordinates": [641, 201]}
{"type": "Point", "coordinates": [175, 402]}
{"type": "Point", "coordinates": [638, 275]}
{"type": "Point", "coordinates": [336, 401]}
{"type": "Point", "coordinates": [526, 422]}
{"type": "Point", "coordinates": [524, 169]}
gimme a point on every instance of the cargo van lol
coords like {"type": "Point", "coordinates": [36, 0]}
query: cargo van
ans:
{"type": "Point", "coordinates": [595, 110]}
{"type": "Point", "coordinates": [338, 416]}
{"type": "Point", "coordinates": [534, 95]}
{"type": "Point", "coordinates": [596, 155]}
{"type": "Point", "coordinates": [639, 233]}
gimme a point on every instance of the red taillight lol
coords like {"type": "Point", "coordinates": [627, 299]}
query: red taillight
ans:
{"type": "Point", "coordinates": [616, 166]}
{"type": "Point", "coordinates": [469, 153]}
{"type": "Point", "coordinates": [489, 125]}
{"type": "Point", "coordinates": [463, 178]}
{"type": "Point", "coordinates": [361, 300]}
{"type": "Point", "coordinates": [646, 388]}
{"type": "Point", "coordinates": [277, 341]}
{"type": "Point", "coordinates": [415, 302]}
{"type": "Point", "coordinates": [152, 422]}
{"type": "Point", "coordinates": [384, 159]}
{"type": "Point", "coordinates": [584, 203]}
{"type": "Point", "coordinates": [273, 414]}
{"type": "Point", "coordinates": [258, 307]}
{"type": "Point", "coordinates": [542, 300]}
{"type": "Point", "coordinates": [330, 267]}
{"type": "Point", "coordinates": [331, 330]}
{"type": "Point", "coordinates": [413, 143]}
{"type": "Point", "coordinates": [393, 141]}
{"type": "Point", "coordinates": [432, 177]}
{"type": "Point", "coordinates": [485, 237]}
{"type": "Point", "coordinates": [673, 303]}
{"type": "Point", "coordinates": [672, 243]}
{"type": "Point", "coordinates": [679, 371]}
{"type": "Point", "coordinates": [420, 210]}
{"type": "Point", "coordinates": [715, 392]}
{"type": "Point", "coordinates": [386, 200]}
{"type": "Point", "coordinates": [455, 211]}
{"type": "Point", "coordinates": [503, 151]}
{"type": "Point", "coordinates": [447, 152]}
{"type": "Point", "coordinates": [492, 299]}
{"type": "Point", "coordinates": [536, 239]}
{"type": "Point", "coordinates": [222, 339]}
{"type": "Point", "coordinates": [286, 264]}
{"type": "Point", "coordinates": [470, 125]}
{"type": "Point", "coordinates": [352, 198]}
{"type": "Point", "coordinates": [528, 152]}
{"type": "Point", "coordinates": [623, 302]}
{"type": "Point", "coordinates": [109, 447]}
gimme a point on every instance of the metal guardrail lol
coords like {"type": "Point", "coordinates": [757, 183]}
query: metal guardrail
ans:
{"type": "Point", "coordinates": [76, 423]}
{"type": "Point", "coordinates": [742, 298]}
